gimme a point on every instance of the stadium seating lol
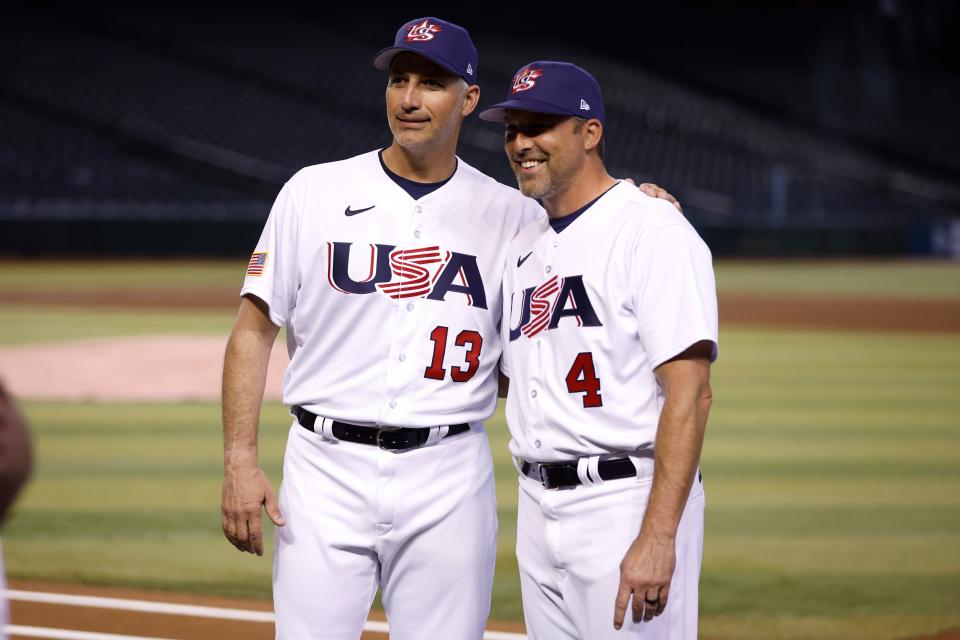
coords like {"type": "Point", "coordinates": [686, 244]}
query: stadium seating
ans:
{"type": "Point", "coordinates": [139, 111]}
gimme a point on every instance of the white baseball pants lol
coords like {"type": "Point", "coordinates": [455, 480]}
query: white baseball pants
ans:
{"type": "Point", "coordinates": [421, 524]}
{"type": "Point", "coordinates": [569, 546]}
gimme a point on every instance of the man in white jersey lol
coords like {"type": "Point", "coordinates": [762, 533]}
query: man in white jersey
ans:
{"type": "Point", "coordinates": [386, 271]}
{"type": "Point", "coordinates": [609, 330]}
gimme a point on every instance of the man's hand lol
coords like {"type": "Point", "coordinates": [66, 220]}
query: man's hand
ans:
{"type": "Point", "coordinates": [654, 191]}
{"type": "Point", "coordinates": [245, 486]}
{"type": "Point", "coordinates": [245, 490]}
{"type": "Point", "coordinates": [647, 568]}
{"type": "Point", "coordinates": [645, 573]}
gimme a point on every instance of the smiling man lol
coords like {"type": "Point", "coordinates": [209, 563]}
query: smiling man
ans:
{"type": "Point", "coordinates": [609, 331]}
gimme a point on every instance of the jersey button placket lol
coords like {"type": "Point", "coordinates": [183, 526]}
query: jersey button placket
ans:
{"type": "Point", "coordinates": [398, 370]}
{"type": "Point", "coordinates": [536, 368]}
{"type": "Point", "coordinates": [400, 329]}
{"type": "Point", "coordinates": [550, 255]}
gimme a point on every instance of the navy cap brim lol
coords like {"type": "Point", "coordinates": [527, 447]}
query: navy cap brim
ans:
{"type": "Point", "coordinates": [497, 111]}
{"type": "Point", "coordinates": [385, 56]}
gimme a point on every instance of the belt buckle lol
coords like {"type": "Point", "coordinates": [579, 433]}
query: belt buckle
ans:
{"type": "Point", "coordinates": [544, 472]}
{"type": "Point", "coordinates": [380, 443]}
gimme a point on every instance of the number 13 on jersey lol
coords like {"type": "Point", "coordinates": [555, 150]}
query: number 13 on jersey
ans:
{"type": "Point", "coordinates": [436, 370]}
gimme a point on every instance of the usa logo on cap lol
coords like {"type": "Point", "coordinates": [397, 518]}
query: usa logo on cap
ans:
{"type": "Point", "coordinates": [526, 79]}
{"type": "Point", "coordinates": [423, 31]}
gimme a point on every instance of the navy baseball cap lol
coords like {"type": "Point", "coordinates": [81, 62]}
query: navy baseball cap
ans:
{"type": "Point", "coordinates": [439, 41]}
{"type": "Point", "coordinates": [559, 88]}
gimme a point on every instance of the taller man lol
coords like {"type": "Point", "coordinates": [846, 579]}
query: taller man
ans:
{"type": "Point", "coordinates": [386, 271]}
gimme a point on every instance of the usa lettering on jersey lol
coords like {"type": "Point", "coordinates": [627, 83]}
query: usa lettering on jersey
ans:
{"type": "Point", "coordinates": [542, 307]}
{"type": "Point", "coordinates": [424, 272]}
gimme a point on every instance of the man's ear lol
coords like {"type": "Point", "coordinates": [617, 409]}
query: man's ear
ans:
{"type": "Point", "coordinates": [471, 98]}
{"type": "Point", "coordinates": [592, 133]}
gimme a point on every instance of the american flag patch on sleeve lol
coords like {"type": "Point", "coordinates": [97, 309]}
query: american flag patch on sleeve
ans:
{"type": "Point", "coordinates": [258, 262]}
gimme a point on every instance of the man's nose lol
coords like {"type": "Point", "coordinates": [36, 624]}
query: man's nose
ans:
{"type": "Point", "coordinates": [521, 142]}
{"type": "Point", "coordinates": [411, 99]}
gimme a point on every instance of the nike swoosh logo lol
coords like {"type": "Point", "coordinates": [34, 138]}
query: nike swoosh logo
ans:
{"type": "Point", "coordinates": [520, 261]}
{"type": "Point", "coordinates": [352, 212]}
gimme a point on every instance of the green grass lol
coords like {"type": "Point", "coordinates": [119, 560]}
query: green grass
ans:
{"type": "Point", "coordinates": [831, 476]}
{"type": "Point", "coordinates": [122, 274]}
{"type": "Point", "coordinates": [873, 278]}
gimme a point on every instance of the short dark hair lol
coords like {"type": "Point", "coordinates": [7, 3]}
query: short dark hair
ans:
{"type": "Point", "coordinates": [578, 127]}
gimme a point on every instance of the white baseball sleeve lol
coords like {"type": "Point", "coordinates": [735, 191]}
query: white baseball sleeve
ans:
{"type": "Point", "coordinates": [675, 294]}
{"type": "Point", "coordinates": [273, 274]}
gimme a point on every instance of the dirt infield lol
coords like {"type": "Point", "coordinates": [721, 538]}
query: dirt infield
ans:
{"type": "Point", "coordinates": [143, 368]}
{"type": "Point", "coordinates": [866, 314]}
{"type": "Point", "coordinates": [862, 314]}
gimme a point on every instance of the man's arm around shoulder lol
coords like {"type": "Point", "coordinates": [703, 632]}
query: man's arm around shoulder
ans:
{"type": "Point", "coordinates": [647, 567]}
{"type": "Point", "coordinates": [245, 486]}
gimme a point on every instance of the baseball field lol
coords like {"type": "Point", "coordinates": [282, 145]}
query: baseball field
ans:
{"type": "Point", "coordinates": [831, 463]}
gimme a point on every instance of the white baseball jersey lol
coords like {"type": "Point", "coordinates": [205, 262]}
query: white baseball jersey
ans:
{"type": "Point", "coordinates": [391, 304]}
{"type": "Point", "coordinates": [589, 314]}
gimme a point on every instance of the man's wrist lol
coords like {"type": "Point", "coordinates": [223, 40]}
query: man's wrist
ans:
{"type": "Point", "coordinates": [657, 535]}
{"type": "Point", "coordinates": [238, 458]}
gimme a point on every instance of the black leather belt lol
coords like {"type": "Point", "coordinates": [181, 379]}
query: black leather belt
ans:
{"type": "Point", "coordinates": [390, 439]}
{"type": "Point", "coordinates": [563, 475]}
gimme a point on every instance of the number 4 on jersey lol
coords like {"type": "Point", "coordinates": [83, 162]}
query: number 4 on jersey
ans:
{"type": "Point", "coordinates": [582, 378]}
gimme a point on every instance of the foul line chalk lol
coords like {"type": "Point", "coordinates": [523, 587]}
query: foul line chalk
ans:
{"type": "Point", "coordinates": [65, 634]}
{"type": "Point", "coordinates": [143, 606]}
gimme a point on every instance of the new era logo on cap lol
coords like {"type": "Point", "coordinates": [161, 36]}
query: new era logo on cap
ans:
{"type": "Point", "coordinates": [442, 43]}
{"type": "Point", "coordinates": [545, 86]}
